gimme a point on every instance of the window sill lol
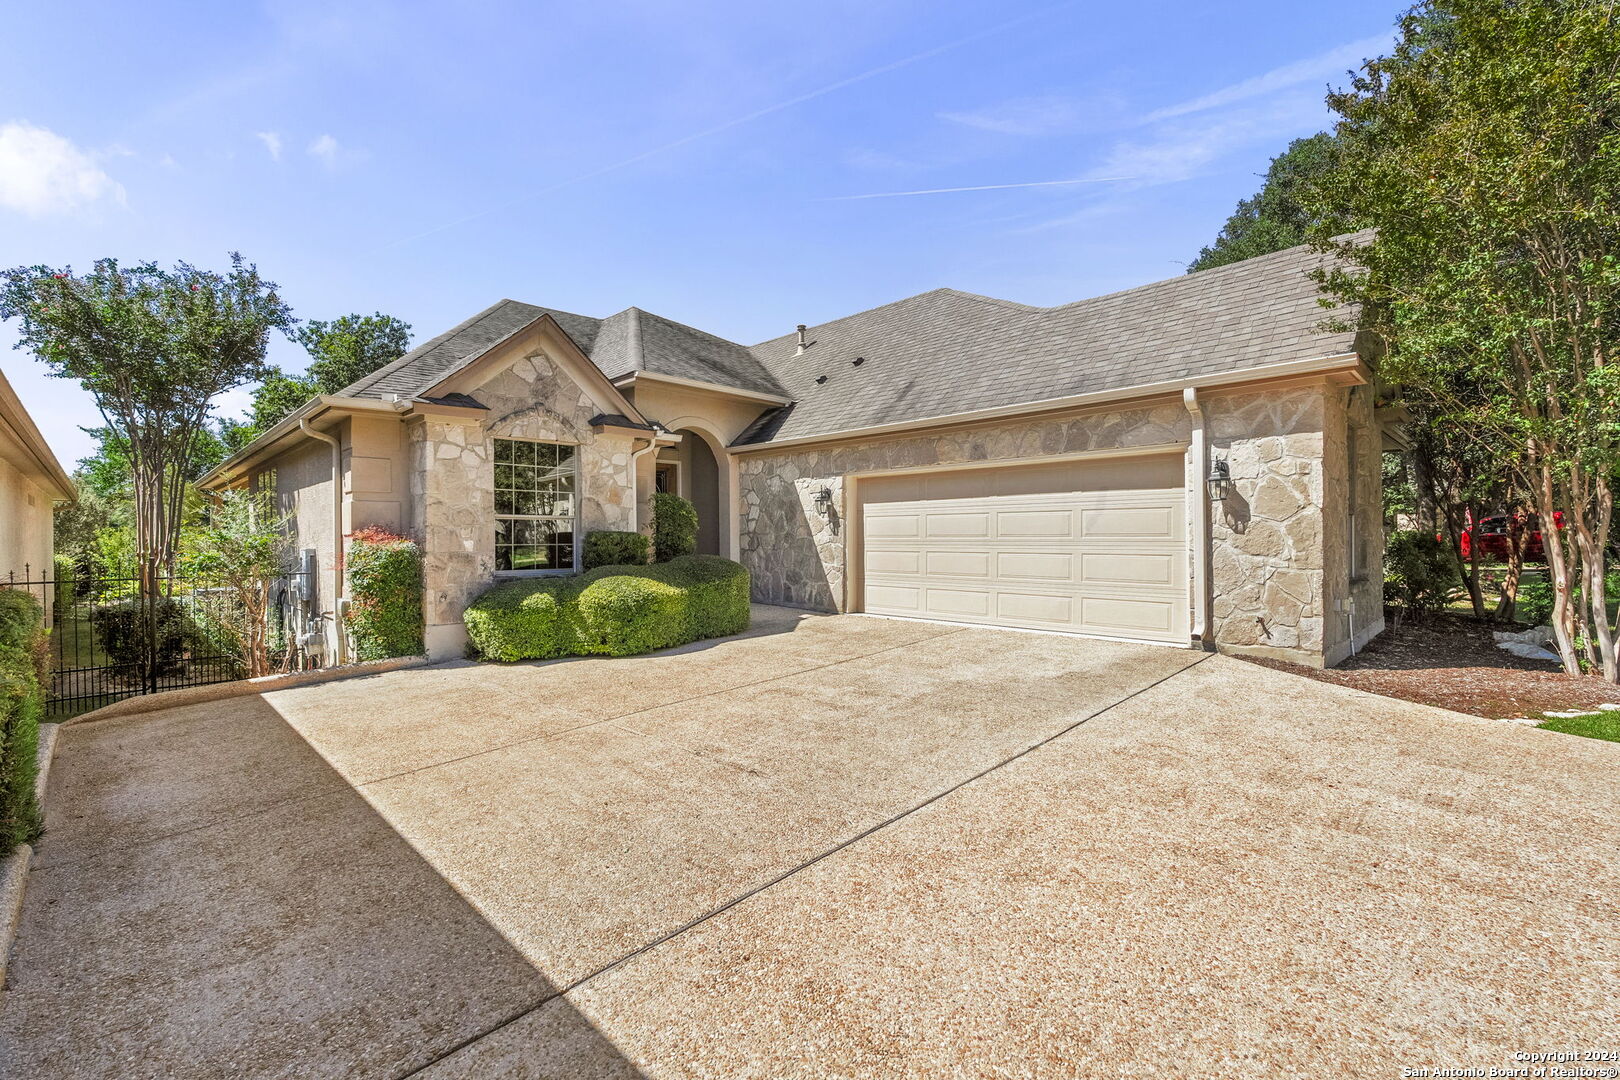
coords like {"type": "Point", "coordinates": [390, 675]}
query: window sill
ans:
{"type": "Point", "coordinates": [534, 573]}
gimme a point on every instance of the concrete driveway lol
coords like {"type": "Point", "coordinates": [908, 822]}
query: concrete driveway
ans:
{"type": "Point", "coordinates": [837, 846]}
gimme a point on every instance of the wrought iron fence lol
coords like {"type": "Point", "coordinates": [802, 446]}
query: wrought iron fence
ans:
{"type": "Point", "coordinates": [112, 639]}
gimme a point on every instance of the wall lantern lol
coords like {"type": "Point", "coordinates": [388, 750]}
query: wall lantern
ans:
{"type": "Point", "coordinates": [1220, 480]}
{"type": "Point", "coordinates": [824, 501]}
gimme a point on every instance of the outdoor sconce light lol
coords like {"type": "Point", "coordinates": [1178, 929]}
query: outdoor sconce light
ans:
{"type": "Point", "coordinates": [824, 501]}
{"type": "Point", "coordinates": [1220, 480]}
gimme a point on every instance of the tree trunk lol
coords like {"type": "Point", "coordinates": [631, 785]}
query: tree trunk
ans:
{"type": "Point", "coordinates": [1507, 606]}
{"type": "Point", "coordinates": [1557, 571]}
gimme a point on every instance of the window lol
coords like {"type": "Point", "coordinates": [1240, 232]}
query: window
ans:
{"type": "Point", "coordinates": [664, 477]}
{"type": "Point", "coordinates": [535, 486]}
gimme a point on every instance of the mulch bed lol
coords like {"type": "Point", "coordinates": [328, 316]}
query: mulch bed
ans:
{"type": "Point", "coordinates": [1453, 662]}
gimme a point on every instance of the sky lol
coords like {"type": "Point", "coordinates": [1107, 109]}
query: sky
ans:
{"type": "Point", "coordinates": [741, 167]}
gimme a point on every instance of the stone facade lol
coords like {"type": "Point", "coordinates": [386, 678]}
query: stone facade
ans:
{"type": "Point", "coordinates": [1279, 567]}
{"type": "Point", "coordinates": [796, 557]}
{"type": "Point", "coordinates": [453, 477]}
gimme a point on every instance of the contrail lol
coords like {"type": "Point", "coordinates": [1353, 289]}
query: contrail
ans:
{"type": "Point", "coordinates": [736, 122]}
{"type": "Point", "coordinates": [976, 187]}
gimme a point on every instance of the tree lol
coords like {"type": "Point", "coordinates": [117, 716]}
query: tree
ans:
{"type": "Point", "coordinates": [154, 348]}
{"type": "Point", "coordinates": [242, 548]}
{"type": "Point", "coordinates": [1485, 154]}
{"type": "Point", "coordinates": [341, 352]}
{"type": "Point", "coordinates": [1276, 218]}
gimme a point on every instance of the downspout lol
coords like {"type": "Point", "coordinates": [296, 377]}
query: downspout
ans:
{"type": "Point", "coordinates": [1198, 468]}
{"type": "Point", "coordinates": [337, 534]}
{"type": "Point", "coordinates": [635, 480]}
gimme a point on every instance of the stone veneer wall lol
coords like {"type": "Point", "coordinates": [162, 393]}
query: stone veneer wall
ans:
{"type": "Point", "coordinates": [1267, 557]}
{"type": "Point", "coordinates": [453, 478]}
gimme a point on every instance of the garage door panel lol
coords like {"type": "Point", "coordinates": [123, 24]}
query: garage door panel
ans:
{"type": "Point", "coordinates": [1117, 568]}
{"type": "Point", "coordinates": [1035, 566]}
{"type": "Point", "coordinates": [975, 564]}
{"type": "Point", "coordinates": [1005, 547]}
{"type": "Point", "coordinates": [893, 561]}
{"type": "Point", "coordinates": [1119, 522]}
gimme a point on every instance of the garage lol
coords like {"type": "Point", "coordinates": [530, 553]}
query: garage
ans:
{"type": "Point", "coordinates": [1089, 547]}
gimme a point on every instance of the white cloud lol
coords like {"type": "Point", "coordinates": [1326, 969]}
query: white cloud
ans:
{"type": "Point", "coordinates": [1325, 66]}
{"type": "Point", "coordinates": [42, 173]}
{"type": "Point", "coordinates": [272, 143]}
{"type": "Point", "coordinates": [326, 149]}
{"type": "Point", "coordinates": [1040, 115]}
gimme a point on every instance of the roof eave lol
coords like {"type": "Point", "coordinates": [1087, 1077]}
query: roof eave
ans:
{"type": "Point", "coordinates": [698, 384]}
{"type": "Point", "coordinates": [1348, 366]}
{"type": "Point", "coordinates": [232, 467]}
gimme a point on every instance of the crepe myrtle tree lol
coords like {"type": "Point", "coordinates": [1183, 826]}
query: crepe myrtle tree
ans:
{"type": "Point", "coordinates": [1484, 153]}
{"type": "Point", "coordinates": [154, 347]}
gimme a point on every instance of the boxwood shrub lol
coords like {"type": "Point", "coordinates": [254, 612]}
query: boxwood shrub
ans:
{"type": "Point", "coordinates": [607, 548]}
{"type": "Point", "coordinates": [385, 595]}
{"type": "Point", "coordinates": [22, 703]}
{"type": "Point", "coordinates": [611, 610]}
{"type": "Point", "coordinates": [674, 525]}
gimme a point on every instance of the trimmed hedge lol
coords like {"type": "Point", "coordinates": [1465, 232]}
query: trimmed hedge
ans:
{"type": "Point", "coordinates": [674, 526]}
{"type": "Point", "coordinates": [22, 704]}
{"type": "Point", "coordinates": [385, 595]}
{"type": "Point", "coordinates": [607, 548]}
{"type": "Point", "coordinates": [612, 610]}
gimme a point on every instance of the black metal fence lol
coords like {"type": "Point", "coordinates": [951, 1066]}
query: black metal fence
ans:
{"type": "Point", "coordinates": [111, 639]}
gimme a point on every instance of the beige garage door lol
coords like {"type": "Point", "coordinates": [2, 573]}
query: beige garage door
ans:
{"type": "Point", "coordinates": [1086, 547]}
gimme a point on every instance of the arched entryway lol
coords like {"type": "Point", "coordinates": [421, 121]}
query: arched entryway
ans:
{"type": "Point", "coordinates": [702, 480]}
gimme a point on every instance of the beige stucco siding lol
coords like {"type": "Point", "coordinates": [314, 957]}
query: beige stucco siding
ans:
{"type": "Point", "coordinates": [25, 525]}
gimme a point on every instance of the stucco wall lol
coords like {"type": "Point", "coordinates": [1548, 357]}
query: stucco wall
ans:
{"type": "Point", "coordinates": [301, 481]}
{"type": "Point", "coordinates": [452, 502]}
{"type": "Point", "coordinates": [25, 525]}
{"type": "Point", "coordinates": [1268, 544]}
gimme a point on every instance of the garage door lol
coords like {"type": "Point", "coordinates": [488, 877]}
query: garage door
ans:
{"type": "Point", "coordinates": [1092, 548]}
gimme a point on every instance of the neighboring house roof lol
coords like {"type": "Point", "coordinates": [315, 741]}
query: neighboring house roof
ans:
{"type": "Point", "coordinates": [22, 444]}
{"type": "Point", "coordinates": [942, 353]}
{"type": "Point", "coordinates": [947, 352]}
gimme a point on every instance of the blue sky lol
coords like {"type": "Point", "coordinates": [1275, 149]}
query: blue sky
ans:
{"type": "Point", "coordinates": [698, 160]}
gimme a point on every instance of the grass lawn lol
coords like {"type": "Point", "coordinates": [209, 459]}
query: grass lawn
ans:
{"type": "Point", "coordinates": [1605, 725]}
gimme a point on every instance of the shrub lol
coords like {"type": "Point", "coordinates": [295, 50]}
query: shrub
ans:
{"type": "Point", "coordinates": [1418, 573]}
{"type": "Point", "coordinates": [385, 595]}
{"type": "Point", "coordinates": [674, 526]}
{"type": "Point", "coordinates": [22, 704]}
{"type": "Point", "coordinates": [1534, 603]}
{"type": "Point", "coordinates": [605, 548]}
{"type": "Point", "coordinates": [67, 575]}
{"type": "Point", "coordinates": [121, 631]}
{"type": "Point", "coordinates": [611, 610]}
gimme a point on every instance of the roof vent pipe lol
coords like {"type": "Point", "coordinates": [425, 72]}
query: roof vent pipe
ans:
{"type": "Point", "coordinates": [803, 344]}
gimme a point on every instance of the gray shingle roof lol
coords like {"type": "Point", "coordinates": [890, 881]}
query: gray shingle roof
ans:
{"type": "Point", "coordinates": [946, 352]}
{"type": "Point", "coordinates": [940, 353]}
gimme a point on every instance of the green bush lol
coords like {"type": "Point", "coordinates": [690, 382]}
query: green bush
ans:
{"type": "Point", "coordinates": [611, 610]}
{"type": "Point", "coordinates": [67, 574]}
{"type": "Point", "coordinates": [1534, 603]}
{"type": "Point", "coordinates": [674, 525]}
{"type": "Point", "coordinates": [120, 630]}
{"type": "Point", "coordinates": [1418, 572]}
{"type": "Point", "coordinates": [22, 704]}
{"type": "Point", "coordinates": [385, 595]}
{"type": "Point", "coordinates": [606, 548]}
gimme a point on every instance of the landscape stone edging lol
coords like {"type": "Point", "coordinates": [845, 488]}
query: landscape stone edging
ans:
{"type": "Point", "coordinates": [264, 684]}
{"type": "Point", "coordinates": [13, 882]}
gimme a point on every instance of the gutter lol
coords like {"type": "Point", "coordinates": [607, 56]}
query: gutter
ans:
{"type": "Point", "coordinates": [738, 392]}
{"type": "Point", "coordinates": [1198, 496]}
{"type": "Point", "coordinates": [1348, 363]}
{"type": "Point", "coordinates": [337, 534]}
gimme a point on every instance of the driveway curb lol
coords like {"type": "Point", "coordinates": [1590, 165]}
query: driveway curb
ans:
{"type": "Point", "coordinates": [194, 695]}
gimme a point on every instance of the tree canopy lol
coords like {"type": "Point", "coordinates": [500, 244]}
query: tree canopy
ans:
{"type": "Point", "coordinates": [1484, 155]}
{"type": "Point", "coordinates": [1278, 216]}
{"type": "Point", "coordinates": [154, 347]}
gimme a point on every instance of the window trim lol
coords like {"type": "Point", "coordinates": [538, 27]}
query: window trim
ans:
{"type": "Point", "coordinates": [574, 518]}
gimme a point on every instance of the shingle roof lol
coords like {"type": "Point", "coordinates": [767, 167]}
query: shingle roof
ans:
{"type": "Point", "coordinates": [940, 353]}
{"type": "Point", "coordinates": [946, 352]}
{"type": "Point", "coordinates": [630, 341]}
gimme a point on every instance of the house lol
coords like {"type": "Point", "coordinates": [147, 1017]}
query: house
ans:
{"type": "Point", "coordinates": [32, 482]}
{"type": "Point", "coordinates": [1194, 461]}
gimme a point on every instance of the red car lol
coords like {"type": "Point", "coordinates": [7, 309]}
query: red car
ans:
{"type": "Point", "coordinates": [1495, 539]}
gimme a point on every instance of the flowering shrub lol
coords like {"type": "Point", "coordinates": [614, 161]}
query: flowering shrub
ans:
{"type": "Point", "coordinates": [385, 595]}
